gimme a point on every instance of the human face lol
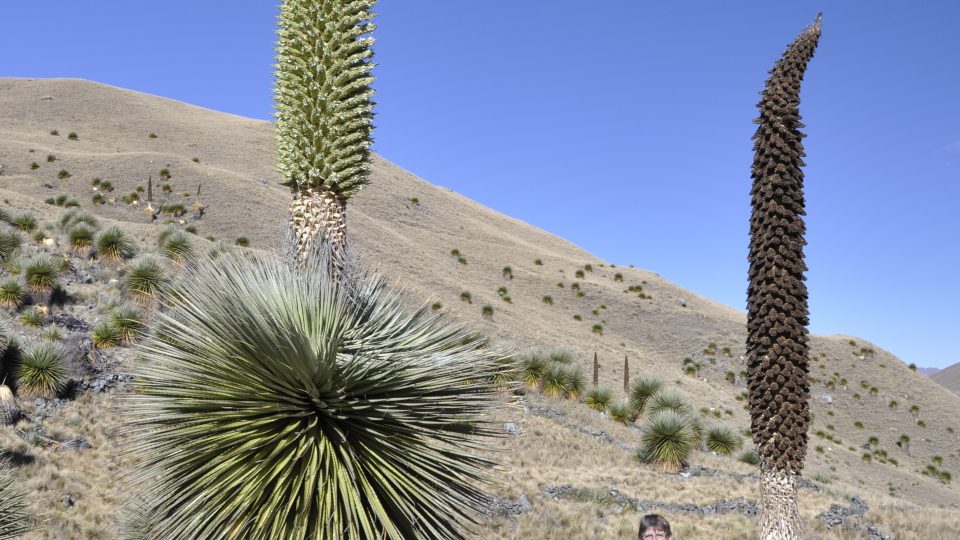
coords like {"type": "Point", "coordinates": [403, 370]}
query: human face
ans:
{"type": "Point", "coordinates": [654, 533]}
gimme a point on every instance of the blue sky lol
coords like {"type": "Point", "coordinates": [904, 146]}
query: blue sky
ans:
{"type": "Point", "coordinates": [624, 128]}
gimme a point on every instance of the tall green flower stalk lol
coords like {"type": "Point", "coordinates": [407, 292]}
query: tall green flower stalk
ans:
{"type": "Point", "coordinates": [324, 112]}
{"type": "Point", "coordinates": [282, 402]}
{"type": "Point", "coordinates": [777, 310]}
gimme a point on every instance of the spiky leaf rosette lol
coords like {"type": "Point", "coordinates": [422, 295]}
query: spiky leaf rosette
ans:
{"type": "Point", "coordinates": [128, 322]}
{"type": "Point", "coordinates": [324, 111]}
{"type": "Point", "coordinates": [114, 244]}
{"type": "Point", "coordinates": [12, 294]}
{"type": "Point", "coordinates": [599, 398]}
{"type": "Point", "coordinates": [13, 521]}
{"type": "Point", "coordinates": [667, 399]}
{"type": "Point", "coordinates": [777, 310]}
{"type": "Point", "coordinates": [278, 402]}
{"type": "Point", "coordinates": [9, 241]}
{"type": "Point", "coordinates": [42, 371]}
{"type": "Point", "coordinates": [723, 440]}
{"type": "Point", "coordinates": [41, 274]}
{"type": "Point", "coordinates": [145, 278]}
{"type": "Point", "coordinates": [640, 391]}
{"type": "Point", "coordinates": [668, 440]}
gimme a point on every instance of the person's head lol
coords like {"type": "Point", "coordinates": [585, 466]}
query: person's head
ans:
{"type": "Point", "coordinates": [654, 527]}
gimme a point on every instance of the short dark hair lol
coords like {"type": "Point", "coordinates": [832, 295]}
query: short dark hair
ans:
{"type": "Point", "coordinates": [651, 521]}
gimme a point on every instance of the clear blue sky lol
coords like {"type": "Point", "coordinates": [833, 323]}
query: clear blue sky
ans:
{"type": "Point", "coordinates": [624, 127]}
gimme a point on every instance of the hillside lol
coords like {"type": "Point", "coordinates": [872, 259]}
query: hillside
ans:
{"type": "Point", "coordinates": [949, 378]}
{"type": "Point", "coordinates": [407, 228]}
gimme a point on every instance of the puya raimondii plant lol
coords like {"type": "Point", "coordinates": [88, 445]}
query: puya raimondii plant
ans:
{"type": "Point", "coordinates": [293, 400]}
{"type": "Point", "coordinates": [777, 309]}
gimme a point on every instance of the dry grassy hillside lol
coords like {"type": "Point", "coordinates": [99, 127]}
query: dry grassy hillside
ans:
{"type": "Point", "coordinates": [949, 378]}
{"type": "Point", "coordinates": [408, 228]}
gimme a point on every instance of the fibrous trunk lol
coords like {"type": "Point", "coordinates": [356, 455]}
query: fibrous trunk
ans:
{"type": "Point", "coordinates": [779, 519]}
{"type": "Point", "coordinates": [777, 309]}
{"type": "Point", "coordinates": [319, 216]}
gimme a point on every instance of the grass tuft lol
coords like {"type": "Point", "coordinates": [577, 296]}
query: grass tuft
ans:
{"type": "Point", "coordinates": [641, 389]}
{"type": "Point", "coordinates": [668, 441]}
{"type": "Point", "coordinates": [723, 440]}
{"type": "Point", "coordinates": [114, 244]}
{"type": "Point", "coordinates": [599, 398]}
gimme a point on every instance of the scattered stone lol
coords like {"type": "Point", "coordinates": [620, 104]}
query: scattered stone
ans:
{"type": "Point", "coordinates": [511, 428]}
{"type": "Point", "coordinates": [740, 505]}
{"type": "Point", "coordinates": [681, 302]}
{"type": "Point", "coordinates": [852, 517]}
{"type": "Point", "coordinates": [826, 398]}
{"type": "Point", "coordinates": [497, 506]}
{"type": "Point", "coordinates": [70, 323]}
{"type": "Point", "coordinates": [46, 98]}
{"type": "Point", "coordinates": [544, 411]}
{"type": "Point", "coordinates": [68, 500]}
{"type": "Point", "coordinates": [105, 382]}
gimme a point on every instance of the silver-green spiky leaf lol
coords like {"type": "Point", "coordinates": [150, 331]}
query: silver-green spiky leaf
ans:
{"type": "Point", "coordinates": [13, 521]}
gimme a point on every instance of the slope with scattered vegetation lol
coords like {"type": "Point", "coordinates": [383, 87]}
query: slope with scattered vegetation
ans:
{"type": "Point", "coordinates": [880, 430]}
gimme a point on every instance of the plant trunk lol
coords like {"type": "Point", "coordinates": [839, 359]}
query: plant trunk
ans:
{"type": "Point", "coordinates": [779, 517]}
{"type": "Point", "coordinates": [319, 216]}
{"type": "Point", "coordinates": [596, 370]}
{"type": "Point", "coordinates": [626, 375]}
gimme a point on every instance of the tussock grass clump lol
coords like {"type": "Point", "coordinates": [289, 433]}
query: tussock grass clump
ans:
{"type": "Point", "coordinates": [42, 371]}
{"type": "Point", "coordinates": [10, 240]}
{"type": "Point", "coordinates": [621, 412]}
{"type": "Point", "coordinates": [76, 216]}
{"type": "Point", "coordinates": [128, 323]}
{"type": "Point", "coordinates": [486, 311]}
{"type": "Point", "coordinates": [80, 237]}
{"type": "Point", "coordinates": [554, 382]}
{"type": "Point", "coordinates": [310, 375]}
{"type": "Point", "coordinates": [599, 398]}
{"type": "Point", "coordinates": [723, 440]}
{"type": "Point", "coordinates": [104, 336]}
{"type": "Point", "coordinates": [12, 294]}
{"type": "Point", "coordinates": [13, 521]}
{"type": "Point", "coordinates": [641, 389]}
{"type": "Point", "coordinates": [41, 274]}
{"type": "Point", "coordinates": [560, 355]}
{"type": "Point", "coordinates": [145, 279]}
{"type": "Point", "coordinates": [177, 247]}
{"type": "Point", "coordinates": [668, 441]}
{"type": "Point", "coordinates": [576, 382]}
{"type": "Point", "coordinates": [26, 222]}
{"type": "Point", "coordinates": [666, 399]}
{"type": "Point", "coordinates": [114, 244]}
{"type": "Point", "coordinates": [507, 372]}
{"type": "Point", "coordinates": [533, 369]}
{"type": "Point", "coordinates": [242, 241]}
{"type": "Point", "coordinates": [562, 381]}
{"type": "Point", "coordinates": [32, 317]}
{"type": "Point", "coordinates": [750, 457]}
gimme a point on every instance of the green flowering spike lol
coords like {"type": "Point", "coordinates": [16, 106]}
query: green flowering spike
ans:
{"type": "Point", "coordinates": [324, 111]}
